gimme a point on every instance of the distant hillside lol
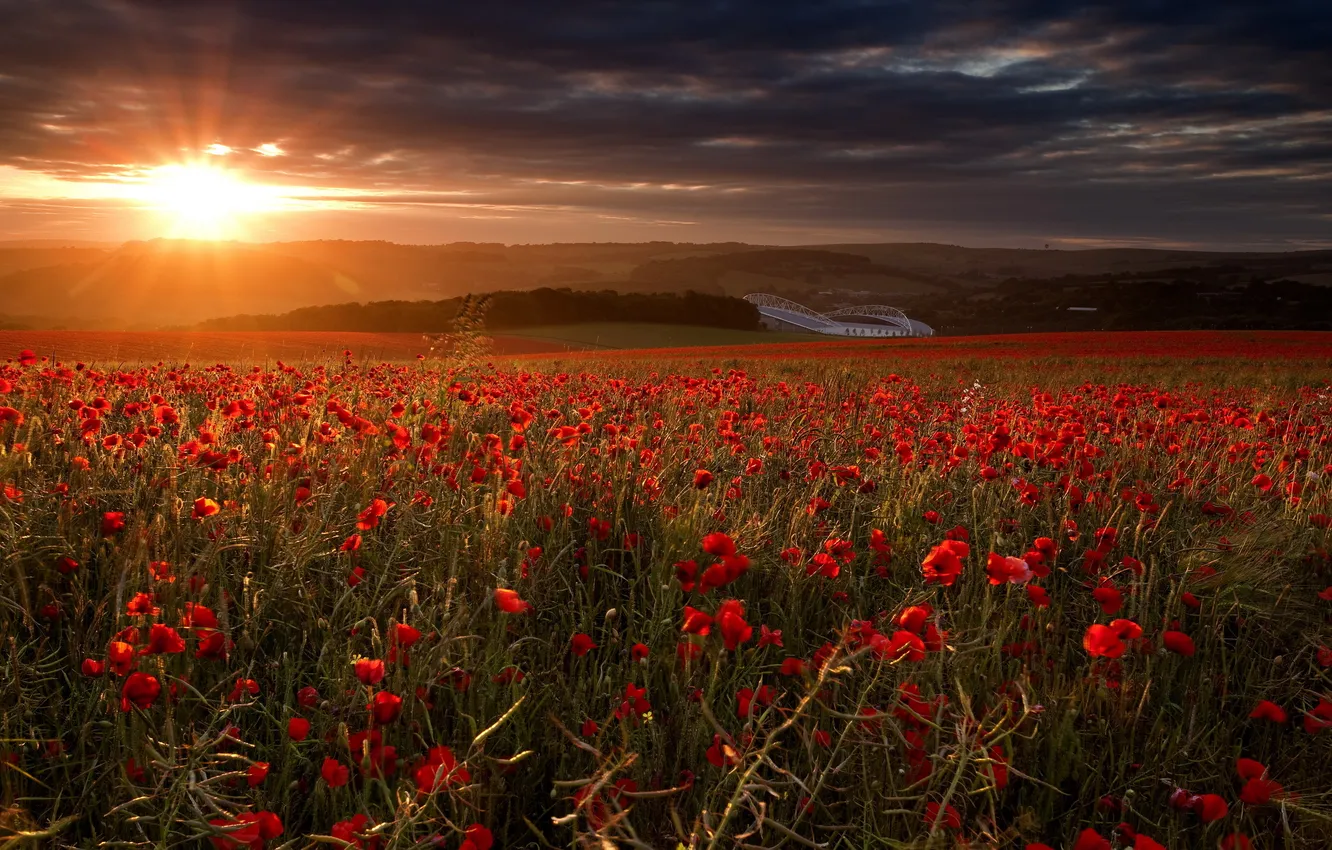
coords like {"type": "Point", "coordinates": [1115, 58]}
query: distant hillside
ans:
{"type": "Point", "coordinates": [19, 259]}
{"type": "Point", "coordinates": [170, 283]}
{"type": "Point", "coordinates": [1197, 299]}
{"type": "Point", "coordinates": [11, 244]}
{"type": "Point", "coordinates": [180, 283]}
{"type": "Point", "coordinates": [769, 269]}
{"type": "Point", "coordinates": [460, 268]}
{"type": "Point", "coordinates": [971, 263]}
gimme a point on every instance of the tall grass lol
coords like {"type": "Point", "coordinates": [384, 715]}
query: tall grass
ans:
{"type": "Point", "coordinates": [1005, 725]}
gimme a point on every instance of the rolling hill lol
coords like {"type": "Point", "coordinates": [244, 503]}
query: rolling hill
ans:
{"type": "Point", "coordinates": [164, 283]}
{"type": "Point", "coordinates": [150, 284]}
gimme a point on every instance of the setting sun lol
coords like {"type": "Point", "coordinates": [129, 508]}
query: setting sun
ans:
{"type": "Point", "coordinates": [204, 201]}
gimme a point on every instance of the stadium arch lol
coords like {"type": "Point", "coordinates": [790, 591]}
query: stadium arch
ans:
{"type": "Point", "coordinates": [871, 320]}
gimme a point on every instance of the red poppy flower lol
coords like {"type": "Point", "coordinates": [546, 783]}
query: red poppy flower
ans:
{"type": "Point", "coordinates": [823, 564]}
{"type": "Point", "coordinates": [746, 697]}
{"type": "Point", "coordinates": [242, 688]}
{"type": "Point", "coordinates": [257, 773]}
{"type": "Point", "coordinates": [998, 767]}
{"type": "Point", "coordinates": [731, 623]}
{"type": "Point", "coordinates": [1258, 790]}
{"type": "Point", "coordinates": [581, 644]}
{"type": "Point", "coordinates": [1249, 769]}
{"type": "Point", "coordinates": [722, 573]}
{"type": "Point", "coordinates": [121, 657]}
{"type": "Point", "coordinates": [199, 615]}
{"type": "Point", "coordinates": [639, 652]}
{"type": "Point", "coordinates": [163, 640]}
{"type": "Point", "coordinates": [634, 704]}
{"type": "Point", "coordinates": [1319, 718]}
{"type": "Point", "coordinates": [142, 606]}
{"type": "Point", "coordinates": [370, 517]}
{"type": "Point", "coordinates": [1090, 839]}
{"type": "Point", "coordinates": [1001, 569]}
{"type": "Point", "coordinates": [113, 522]}
{"type": "Point", "coordinates": [298, 728]}
{"type": "Point", "coordinates": [1267, 710]}
{"type": "Point", "coordinates": [140, 690]}
{"type": "Point", "coordinates": [1210, 807]}
{"type": "Point", "coordinates": [334, 773]}
{"type": "Point", "coordinates": [135, 772]}
{"type": "Point", "coordinates": [401, 638]}
{"type": "Point", "coordinates": [91, 667]}
{"type": "Point", "coordinates": [509, 602]}
{"type": "Point", "coordinates": [212, 645]}
{"type": "Point", "coordinates": [1103, 642]}
{"type": "Point", "coordinates": [352, 831]}
{"type": "Point", "coordinates": [718, 544]}
{"type": "Point", "coordinates": [247, 830]}
{"type": "Point", "coordinates": [696, 622]}
{"type": "Point", "coordinates": [1178, 643]}
{"type": "Point", "coordinates": [385, 707]}
{"type": "Point", "coordinates": [686, 572]}
{"type": "Point", "coordinates": [1109, 598]}
{"type": "Point", "coordinates": [902, 646]}
{"type": "Point", "coordinates": [722, 753]}
{"type": "Point", "coordinates": [370, 671]}
{"type": "Point", "coordinates": [239, 832]}
{"type": "Point", "coordinates": [702, 478]}
{"type": "Point", "coordinates": [946, 817]}
{"type": "Point", "coordinates": [439, 771]}
{"type": "Point", "coordinates": [1126, 629]}
{"type": "Point", "coordinates": [204, 507]}
{"type": "Point", "coordinates": [476, 837]}
{"type": "Point", "coordinates": [944, 563]}
{"type": "Point", "coordinates": [914, 617]}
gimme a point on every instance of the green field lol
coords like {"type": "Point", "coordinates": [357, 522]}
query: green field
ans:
{"type": "Point", "coordinates": [641, 335]}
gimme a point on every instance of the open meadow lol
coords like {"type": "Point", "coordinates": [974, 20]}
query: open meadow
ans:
{"type": "Point", "coordinates": [1057, 591]}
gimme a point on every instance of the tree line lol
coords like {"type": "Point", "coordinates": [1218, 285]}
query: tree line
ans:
{"type": "Point", "coordinates": [507, 310]}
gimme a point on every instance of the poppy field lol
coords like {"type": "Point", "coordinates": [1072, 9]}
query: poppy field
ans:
{"type": "Point", "coordinates": [1031, 593]}
{"type": "Point", "coordinates": [110, 348]}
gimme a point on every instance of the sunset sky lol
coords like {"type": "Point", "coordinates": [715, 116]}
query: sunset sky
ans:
{"type": "Point", "coordinates": [1168, 124]}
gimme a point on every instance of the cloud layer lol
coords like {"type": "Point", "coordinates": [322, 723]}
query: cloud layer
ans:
{"type": "Point", "coordinates": [980, 122]}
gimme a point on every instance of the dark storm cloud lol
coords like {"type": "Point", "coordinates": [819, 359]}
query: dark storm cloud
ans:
{"type": "Point", "coordinates": [1190, 121]}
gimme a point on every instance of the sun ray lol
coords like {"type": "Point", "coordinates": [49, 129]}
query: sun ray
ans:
{"type": "Point", "coordinates": [204, 201]}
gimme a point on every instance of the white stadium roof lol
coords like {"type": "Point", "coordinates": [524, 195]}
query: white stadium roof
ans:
{"type": "Point", "coordinates": [883, 321]}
